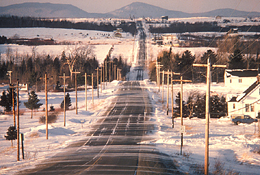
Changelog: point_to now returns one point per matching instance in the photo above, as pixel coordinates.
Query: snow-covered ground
(234, 146)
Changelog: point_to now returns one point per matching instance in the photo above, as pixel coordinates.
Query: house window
(239, 80)
(252, 108)
(234, 106)
(230, 81)
(247, 107)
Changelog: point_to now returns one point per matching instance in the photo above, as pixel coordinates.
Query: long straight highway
(116, 143)
(114, 146)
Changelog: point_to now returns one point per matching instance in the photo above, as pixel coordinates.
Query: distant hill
(228, 12)
(136, 9)
(47, 10)
(139, 9)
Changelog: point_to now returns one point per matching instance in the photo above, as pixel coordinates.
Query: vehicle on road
(236, 119)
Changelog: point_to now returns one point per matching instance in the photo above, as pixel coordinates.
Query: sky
(190, 6)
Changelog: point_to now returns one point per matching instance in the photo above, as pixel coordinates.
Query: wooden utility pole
(207, 112)
(97, 82)
(92, 89)
(9, 73)
(168, 83)
(101, 78)
(173, 73)
(110, 71)
(181, 110)
(86, 91)
(64, 101)
(76, 90)
(12, 87)
(46, 105)
(18, 123)
(162, 86)
(115, 72)
(119, 74)
(168, 79)
(158, 69)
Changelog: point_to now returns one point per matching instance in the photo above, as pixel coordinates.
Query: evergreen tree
(184, 64)
(184, 108)
(11, 134)
(236, 60)
(218, 106)
(7, 100)
(4, 102)
(209, 54)
(68, 102)
(32, 103)
(199, 106)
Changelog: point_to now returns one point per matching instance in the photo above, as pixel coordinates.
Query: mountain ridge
(136, 9)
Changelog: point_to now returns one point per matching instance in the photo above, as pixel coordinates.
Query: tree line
(15, 22)
(182, 63)
(195, 105)
(182, 27)
(30, 69)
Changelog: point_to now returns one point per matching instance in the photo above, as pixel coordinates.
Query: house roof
(250, 89)
(246, 92)
(242, 72)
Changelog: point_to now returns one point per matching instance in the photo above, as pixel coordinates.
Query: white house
(247, 103)
(240, 77)
(170, 39)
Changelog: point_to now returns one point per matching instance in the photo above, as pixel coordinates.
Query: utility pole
(168, 79)
(119, 74)
(110, 71)
(97, 82)
(114, 72)
(64, 101)
(162, 86)
(9, 73)
(46, 102)
(158, 69)
(18, 124)
(101, 78)
(181, 110)
(168, 82)
(92, 89)
(207, 112)
(173, 73)
(46, 105)
(86, 90)
(12, 87)
(18, 117)
(105, 71)
(76, 90)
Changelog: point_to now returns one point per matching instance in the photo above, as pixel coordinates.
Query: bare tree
(77, 55)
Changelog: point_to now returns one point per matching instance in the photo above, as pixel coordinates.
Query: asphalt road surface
(114, 146)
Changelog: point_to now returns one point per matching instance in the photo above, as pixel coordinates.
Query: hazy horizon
(189, 6)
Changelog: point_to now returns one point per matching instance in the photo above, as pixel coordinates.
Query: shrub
(51, 118)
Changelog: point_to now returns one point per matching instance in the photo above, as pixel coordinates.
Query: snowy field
(125, 46)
